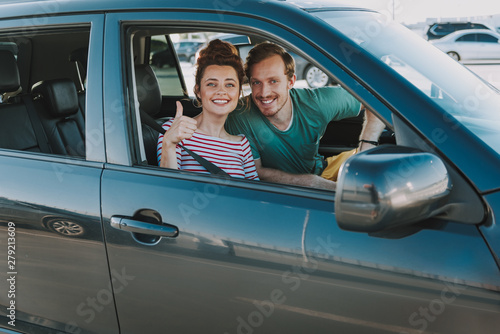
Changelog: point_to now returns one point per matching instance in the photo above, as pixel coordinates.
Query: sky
(412, 11)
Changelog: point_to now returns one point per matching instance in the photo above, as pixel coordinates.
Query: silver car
(473, 44)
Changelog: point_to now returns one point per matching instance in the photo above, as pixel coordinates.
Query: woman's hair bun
(218, 49)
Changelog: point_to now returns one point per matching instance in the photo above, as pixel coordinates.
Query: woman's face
(219, 89)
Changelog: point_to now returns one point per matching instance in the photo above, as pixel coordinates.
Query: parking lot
(489, 72)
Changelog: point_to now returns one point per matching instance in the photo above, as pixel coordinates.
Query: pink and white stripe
(235, 158)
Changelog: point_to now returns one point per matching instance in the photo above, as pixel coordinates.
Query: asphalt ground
(489, 72)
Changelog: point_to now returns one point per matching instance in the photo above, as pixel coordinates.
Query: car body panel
(218, 256)
(295, 260)
(491, 229)
(426, 292)
(59, 279)
(51, 269)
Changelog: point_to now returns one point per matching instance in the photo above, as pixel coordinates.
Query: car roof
(321, 4)
(457, 22)
(12, 8)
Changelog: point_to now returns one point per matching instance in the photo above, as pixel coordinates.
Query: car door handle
(136, 226)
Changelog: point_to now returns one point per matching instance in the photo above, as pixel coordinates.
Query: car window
(163, 60)
(468, 38)
(478, 113)
(485, 38)
(478, 26)
(307, 73)
(442, 29)
(48, 75)
(336, 140)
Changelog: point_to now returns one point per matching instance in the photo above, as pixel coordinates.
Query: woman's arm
(182, 128)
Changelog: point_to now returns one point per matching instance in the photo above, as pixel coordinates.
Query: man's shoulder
(307, 98)
(315, 92)
(320, 97)
(333, 102)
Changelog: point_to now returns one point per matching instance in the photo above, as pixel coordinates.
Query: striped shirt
(235, 158)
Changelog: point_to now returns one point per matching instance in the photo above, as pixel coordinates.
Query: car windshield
(469, 99)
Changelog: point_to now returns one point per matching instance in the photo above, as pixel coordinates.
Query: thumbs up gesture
(182, 128)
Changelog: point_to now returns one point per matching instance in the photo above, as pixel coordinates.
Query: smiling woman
(219, 78)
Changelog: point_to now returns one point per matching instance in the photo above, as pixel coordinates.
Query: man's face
(270, 86)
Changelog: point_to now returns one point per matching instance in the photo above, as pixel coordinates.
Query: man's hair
(265, 50)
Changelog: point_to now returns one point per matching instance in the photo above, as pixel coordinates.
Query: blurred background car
(185, 49)
(161, 54)
(441, 29)
(476, 44)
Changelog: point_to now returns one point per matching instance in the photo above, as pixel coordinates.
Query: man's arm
(371, 131)
(307, 180)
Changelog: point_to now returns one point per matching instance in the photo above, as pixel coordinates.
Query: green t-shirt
(294, 150)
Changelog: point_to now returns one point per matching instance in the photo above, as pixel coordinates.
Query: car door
(203, 253)
(468, 46)
(54, 275)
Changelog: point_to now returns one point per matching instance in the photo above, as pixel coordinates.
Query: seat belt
(212, 168)
(41, 138)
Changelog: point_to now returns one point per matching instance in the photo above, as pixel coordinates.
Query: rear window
(467, 38)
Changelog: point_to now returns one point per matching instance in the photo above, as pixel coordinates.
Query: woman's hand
(182, 128)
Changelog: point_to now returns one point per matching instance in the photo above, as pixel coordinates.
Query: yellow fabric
(331, 171)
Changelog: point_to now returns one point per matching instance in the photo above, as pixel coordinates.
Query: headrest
(148, 89)
(59, 95)
(9, 73)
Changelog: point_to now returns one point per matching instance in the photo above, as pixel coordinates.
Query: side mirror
(388, 187)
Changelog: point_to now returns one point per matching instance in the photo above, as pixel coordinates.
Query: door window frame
(126, 153)
(94, 130)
